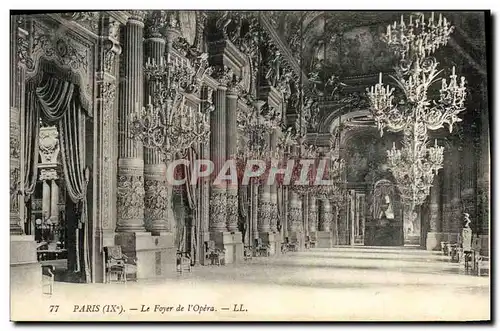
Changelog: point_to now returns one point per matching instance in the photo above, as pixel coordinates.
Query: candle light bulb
(380, 78)
(453, 71)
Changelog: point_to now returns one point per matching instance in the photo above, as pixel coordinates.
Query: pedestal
(434, 239)
(324, 239)
(25, 271)
(298, 238)
(155, 254)
(231, 242)
(270, 238)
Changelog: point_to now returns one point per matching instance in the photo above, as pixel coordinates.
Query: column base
(434, 240)
(25, 271)
(269, 238)
(298, 238)
(324, 239)
(230, 241)
(412, 240)
(156, 255)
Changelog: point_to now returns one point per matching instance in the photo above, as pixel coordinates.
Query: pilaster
(231, 150)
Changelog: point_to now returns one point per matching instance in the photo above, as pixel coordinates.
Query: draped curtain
(56, 101)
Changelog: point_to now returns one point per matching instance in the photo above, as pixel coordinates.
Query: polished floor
(337, 284)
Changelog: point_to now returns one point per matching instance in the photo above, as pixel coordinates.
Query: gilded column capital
(155, 24)
(137, 17)
(223, 74)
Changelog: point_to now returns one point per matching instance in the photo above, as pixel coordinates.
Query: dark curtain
(192, 203)
(59, 102)
(30, 146)
(243, 212)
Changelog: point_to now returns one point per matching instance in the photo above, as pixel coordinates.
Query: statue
(467, 234)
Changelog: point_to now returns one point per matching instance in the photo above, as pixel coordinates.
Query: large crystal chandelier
(417, 71)
(414, 112)
(167, 123)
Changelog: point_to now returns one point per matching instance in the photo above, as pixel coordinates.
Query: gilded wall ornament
(155, 23)
(23, 55)
(14, 144)
(107, 95)
(223, 75)
(64, 51)
(48, 174)
(130, 197)
(89, 20)
(48, 144)
(15, 184)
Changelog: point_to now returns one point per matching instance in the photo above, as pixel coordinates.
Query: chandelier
(416, 73)
(414, 167)
(410, 108)
(167, 123)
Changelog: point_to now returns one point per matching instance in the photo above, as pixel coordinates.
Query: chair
(118, 265)
(313, 240)
(48, 279)
(183, 261)
(480, 257)
(444, 247)
(291, 246)
(215, 255)
(284, 248)
(261, 249)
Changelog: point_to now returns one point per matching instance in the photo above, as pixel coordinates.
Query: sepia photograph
(250, 165)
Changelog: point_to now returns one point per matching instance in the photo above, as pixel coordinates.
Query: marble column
(218, 193)
(204, 208)
(324, 220)
(273, 190)
(158, 213)
(254, 192)
(130, 193)
(231, 150)
(264, 209)
(434, 233)
(264, 205)
(305, 214)
(447, 190)
(313, 215)
(325, 217)
(295, 219)
(54, 201)
(45, 196)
